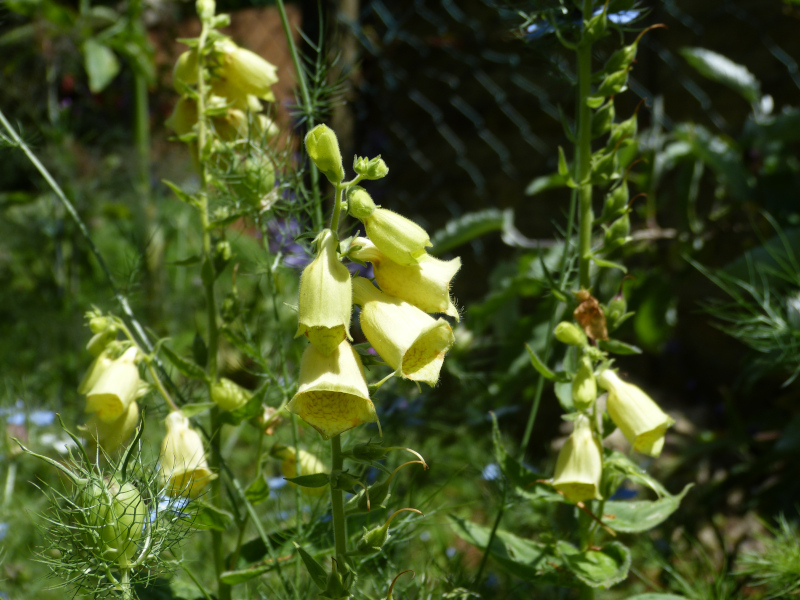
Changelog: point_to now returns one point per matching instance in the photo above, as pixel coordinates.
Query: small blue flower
(276, 483)
(491, 472)
(3, 530)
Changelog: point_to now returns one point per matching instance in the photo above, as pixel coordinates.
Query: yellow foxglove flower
(326, 297)
(245, 72)
(425, 285)
(309, 465)
(400, 239)
(323, 149)
(580, 464)
(184, 469)
(410, 341)
(333, 395)
(228, 395)
(634, 412)
(115, 388)
(99, 364)
(110, 436)
(185, 70)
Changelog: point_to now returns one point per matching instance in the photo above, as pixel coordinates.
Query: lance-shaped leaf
(596, 568)
(634, 516)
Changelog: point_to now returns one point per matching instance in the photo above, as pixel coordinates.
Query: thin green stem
(125, 585)
(583, 156)
(337, 506)
(485, 557)
(306, 100)
(337, 206)
(196, 581)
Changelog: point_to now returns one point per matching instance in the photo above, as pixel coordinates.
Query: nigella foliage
(763, 309)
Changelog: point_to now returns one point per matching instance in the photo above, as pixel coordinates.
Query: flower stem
(583, 156)
(337, 506)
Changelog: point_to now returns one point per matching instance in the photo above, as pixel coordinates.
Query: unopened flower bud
(184, 469)
(323, 148)
(110, 436)
(100, 341)
(185, 71)
(309, 465)
(115, 388)
(183, 117)
(100, 324)
(374, 168)
(569, 333)
(400, 239)
(99, 364)
(634, 412)
(332, 396)
(229, 396)
(410, 341)
(584, 387)
(206, 9)
(326, 297)
(579, 467)
(255, 178)
(373, 539)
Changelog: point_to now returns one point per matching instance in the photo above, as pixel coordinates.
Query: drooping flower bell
(309, 465)
(242, 73)
(579, 467)
(115, 389)
(641, 420)
(323, 149)
(110, 436)
(326, 297)
(332, 396)
(99, 364)
(425, 285)
(409, 340)
(184, 469)
(400, 239)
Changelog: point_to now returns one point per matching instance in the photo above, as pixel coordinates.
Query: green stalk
(583, 156)
(141, 112)
(301, 83)
(208, 276)
(337, 506)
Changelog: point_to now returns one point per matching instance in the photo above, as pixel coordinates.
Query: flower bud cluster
(333, 395)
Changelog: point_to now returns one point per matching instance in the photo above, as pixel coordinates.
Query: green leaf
(525, 482)
(617, 347)
(596, 568)
(186, 262)
(317, 572)
(241, 343)
(101, 64)
(563, 167)
(199, 350)
(524, 558)
(192, 410)
(258, 491)
(235, 577)
(721, 69)
(207, 516)
(608, 264)
(543, 369)
(179, 193)
(546, 182)
(243, 413)
(187, 368)
(619, 466)
(311, 481)
(654, 596)
(225, 221)
(466, 228)
(634, 516)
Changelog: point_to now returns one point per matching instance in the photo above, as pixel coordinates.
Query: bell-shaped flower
(425, 285)
(579, 467)
(99, 364)
(228, 395)
(309, 465)
(115, 389)
(641, 420)
(110, 436)
(332, 396)
(242, 72)
(326, 297)
(400, 239)
(323, 149)
(184, 469)
(409, 340)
